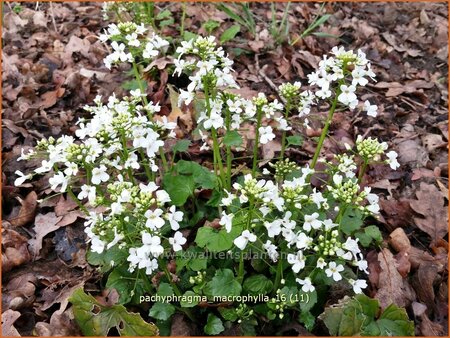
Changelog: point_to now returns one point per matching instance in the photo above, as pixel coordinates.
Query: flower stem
(283, 136)
(216, 149)
(362, 170)
(278, 275)
(178, 293)
(228, 149)
(325, 131)
(77, 201)
(183, 17)
(255, 146)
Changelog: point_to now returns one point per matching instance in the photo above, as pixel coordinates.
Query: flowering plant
(285, 241)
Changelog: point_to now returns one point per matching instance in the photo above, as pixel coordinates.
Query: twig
(53, 18)
(269, 81)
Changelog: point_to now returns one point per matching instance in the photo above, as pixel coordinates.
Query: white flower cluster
(208, 65)
(291, 218)
(114, 141)
(210, 69)
(371, 150)
(342, 74)
(131, 44)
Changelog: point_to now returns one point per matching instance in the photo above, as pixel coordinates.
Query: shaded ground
(52, 66)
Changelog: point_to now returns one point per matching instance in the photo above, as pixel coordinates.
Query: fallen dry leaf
(392, 288)
(430, 204)
(14, 248)
(27, 210)
(19, 292)
(43, 225)
(50, 98)
(423, 282)
(60, 325)
(8, 319)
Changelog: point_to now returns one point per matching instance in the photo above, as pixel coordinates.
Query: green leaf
(307, 319)
(325, 35)
(193, 258)
(127, 284)
(307, 300)
(164, 15)
(167, 22)
(357, 316)
(257, 284)
(165, 289)
(232, 138)
(202, 176)
(162, 311)
(179, 188)
(295, 140)
(247, 327)
(186, 303)
(230, 33)
(95, 319)
(393, 321)
(213, 325)
(228, 313)
(189, 36)
(133, 85)
(373, 232)
(181, 146)
(319, 22)
(211, 25)
(216, 240)
(224, 283)
(351, 221)
(107, 259)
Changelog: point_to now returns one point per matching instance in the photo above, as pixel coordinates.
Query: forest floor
(53, 66)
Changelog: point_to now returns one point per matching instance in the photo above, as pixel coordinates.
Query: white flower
(177, 241)
(152, 244)
(87, 191)
(117, 238)
(361, 264)
(334, 271)
(370, 109)
(317, 198)
(226, 201)
(149, 51)
(22, 177)
(392, 160)
(58, 179)
(97, 245)
(321, 263)
(271, 250)
(162, 197)
(174, 217)
(273, 228)
(358, 285)
(227, 221)
(99, 175)
(186, 97)
(352, 245)
(154, 219)
(265, 134)
(215, 121)
(311, 221)
(358, 77)
(303, 241)
(297, 261)
(307, 284)
(347, 94)
(133, 40)
(117, 208)
(244, 238)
